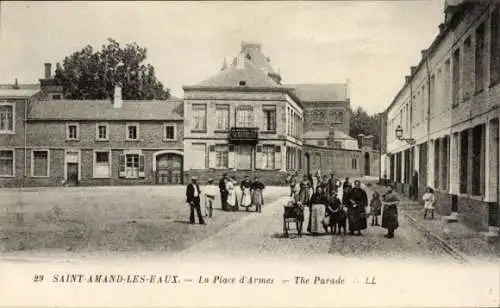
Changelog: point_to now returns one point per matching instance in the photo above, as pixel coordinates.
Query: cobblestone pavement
(260, 236)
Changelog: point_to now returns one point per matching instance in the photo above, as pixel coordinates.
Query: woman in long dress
(356, 209)
(317, 212)
(390, 212)
(232, 200)
(246, 195)
(257, 197)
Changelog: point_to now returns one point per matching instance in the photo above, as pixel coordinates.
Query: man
(193, 193)
(332, 185)
(325, 188)
(390, 212)
(223, 192)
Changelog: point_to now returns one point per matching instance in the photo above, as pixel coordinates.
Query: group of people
(326, 210)
(250, 195)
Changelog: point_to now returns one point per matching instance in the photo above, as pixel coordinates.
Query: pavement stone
(463, 241)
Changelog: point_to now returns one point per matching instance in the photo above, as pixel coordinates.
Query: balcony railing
(244, 135)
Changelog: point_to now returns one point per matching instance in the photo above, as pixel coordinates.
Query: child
(429, 201)
(375, 208)
(210, 193)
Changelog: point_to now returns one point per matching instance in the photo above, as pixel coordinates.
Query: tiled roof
(231, 77)
(17, 93)
(323, 134)
(333, 92)
(22, 86)
(253, 50)
(104, 110)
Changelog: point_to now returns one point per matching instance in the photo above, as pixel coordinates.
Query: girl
(375, 208)
(257, 198)
(429, 201)
(246, 196)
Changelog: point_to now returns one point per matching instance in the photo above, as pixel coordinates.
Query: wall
(326, 121)
(338, 161)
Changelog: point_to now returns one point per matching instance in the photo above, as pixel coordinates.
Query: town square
(98, 157)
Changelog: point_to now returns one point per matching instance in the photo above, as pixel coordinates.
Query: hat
(194, 178)
(210, 179)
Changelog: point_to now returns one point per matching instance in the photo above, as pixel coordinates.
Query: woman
(317, 212)
(346, 188)
(429, 201)
(390, 212)
(232, 200)
(257, 197)
(246, 196)
(356, 209)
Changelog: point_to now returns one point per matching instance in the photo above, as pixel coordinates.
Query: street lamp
(399, 135)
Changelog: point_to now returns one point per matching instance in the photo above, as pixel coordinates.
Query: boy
(210, 192)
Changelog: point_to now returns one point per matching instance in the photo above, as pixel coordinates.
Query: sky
(371, 43)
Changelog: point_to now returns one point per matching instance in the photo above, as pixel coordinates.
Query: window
(321, 142)
(132, 132)
(221, 155)
(222, 116)
(243, 83)
(446, 95)
(40, 163)
(337, 144)
(6, 118)
(269, 118)
(72, 131)
(200, 117)
(479, 67)
(56, 96)
(102, 132)
(102, 164)
(432, 90)
(198, 156)
(131, 165)
(455, 86)
(354, 163)
(468, 70)
(268, 156)
(495, 46)
(244, 116)
(169, 130)
(6, 163)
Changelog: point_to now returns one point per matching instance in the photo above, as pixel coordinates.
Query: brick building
(46, 140)
(449, 107)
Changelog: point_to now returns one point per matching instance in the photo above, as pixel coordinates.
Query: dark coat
(190, 192)
(222, 186)
(390, 212)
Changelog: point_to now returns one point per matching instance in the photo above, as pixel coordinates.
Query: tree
(363, 123)
(89, 74)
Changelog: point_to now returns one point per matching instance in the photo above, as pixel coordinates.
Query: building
(447, 113)
(48, 141)
(244, 119)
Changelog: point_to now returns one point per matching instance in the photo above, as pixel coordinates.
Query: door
(72, 174)
(367, 163)
(244, 157)
(308, 163)
(169, 169)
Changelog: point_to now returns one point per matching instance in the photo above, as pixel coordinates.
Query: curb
(441, 242)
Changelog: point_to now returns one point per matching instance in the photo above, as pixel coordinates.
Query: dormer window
(243, 83)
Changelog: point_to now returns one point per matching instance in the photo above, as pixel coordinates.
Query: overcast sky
(372, 43)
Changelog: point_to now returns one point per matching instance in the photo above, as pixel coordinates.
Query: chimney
(250, 45)
(240, 61)
(413, 70)
(16, 84)
(423, 51)
(407, 79)
(48, 70)
(360, 140)
(441, 27)
(117, 99)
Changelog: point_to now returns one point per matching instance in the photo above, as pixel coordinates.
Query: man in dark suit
(332, 185)
(193, 194)
(223, 192)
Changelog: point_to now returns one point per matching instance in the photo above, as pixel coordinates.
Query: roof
(231, 77)
(18, 93)
(331, 92)
(253, 51)
(104, 110)
(323, 134)
(21, 86)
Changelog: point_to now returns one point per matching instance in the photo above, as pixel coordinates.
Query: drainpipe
(428, 107)
(26, 106)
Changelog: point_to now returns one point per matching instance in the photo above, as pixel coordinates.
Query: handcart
(293, 213)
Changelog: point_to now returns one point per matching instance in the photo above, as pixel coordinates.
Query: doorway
(367, 164)
(72, 174)
(169, 169)
(244, 157)
(308, 163)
